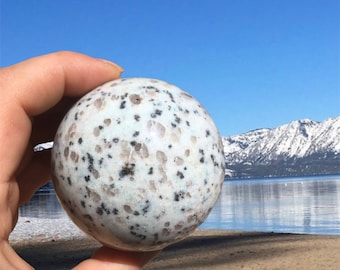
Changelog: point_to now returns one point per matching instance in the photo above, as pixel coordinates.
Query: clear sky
(252, 64)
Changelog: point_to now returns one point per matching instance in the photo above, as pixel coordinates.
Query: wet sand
(205, 249)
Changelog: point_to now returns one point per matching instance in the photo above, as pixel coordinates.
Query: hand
(34, 96)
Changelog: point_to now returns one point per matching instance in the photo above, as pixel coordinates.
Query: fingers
(10, 260)
(31, 88)
(36, 85)
(39, 83)
(34, 170)
(45, 125)
(33, 176)
(106, 258)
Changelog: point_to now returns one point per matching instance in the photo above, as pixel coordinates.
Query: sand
(63, 246)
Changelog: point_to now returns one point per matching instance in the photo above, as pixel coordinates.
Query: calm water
(295, 205)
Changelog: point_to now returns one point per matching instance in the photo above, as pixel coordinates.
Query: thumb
(110, 259)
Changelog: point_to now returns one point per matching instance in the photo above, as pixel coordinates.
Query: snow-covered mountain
(300, 147)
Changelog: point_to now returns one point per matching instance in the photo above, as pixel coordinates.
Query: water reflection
(299, 205)
(310, 205)
(43, 205)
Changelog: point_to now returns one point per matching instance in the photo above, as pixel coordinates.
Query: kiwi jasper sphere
(138, 164)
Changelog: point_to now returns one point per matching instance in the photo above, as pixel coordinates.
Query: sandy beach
(205, 249)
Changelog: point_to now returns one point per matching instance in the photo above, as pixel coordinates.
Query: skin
(35, 95)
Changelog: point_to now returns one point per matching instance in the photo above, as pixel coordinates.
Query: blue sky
(252, 64)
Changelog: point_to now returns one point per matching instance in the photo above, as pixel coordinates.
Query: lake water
(291, 205)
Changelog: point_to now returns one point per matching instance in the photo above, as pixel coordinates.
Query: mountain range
(302, 147)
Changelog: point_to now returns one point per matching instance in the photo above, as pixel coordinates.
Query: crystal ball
(137, 164)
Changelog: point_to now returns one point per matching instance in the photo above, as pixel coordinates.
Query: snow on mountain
(297, 139)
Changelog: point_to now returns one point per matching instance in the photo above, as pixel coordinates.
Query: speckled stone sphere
(138, 164)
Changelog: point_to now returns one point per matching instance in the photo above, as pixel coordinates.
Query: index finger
(36, 85)
(40, 83)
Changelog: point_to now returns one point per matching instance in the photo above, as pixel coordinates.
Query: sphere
(137, 164)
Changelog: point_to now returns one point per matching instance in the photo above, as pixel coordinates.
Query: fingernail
(112, 64)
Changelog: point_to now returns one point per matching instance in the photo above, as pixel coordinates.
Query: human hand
(34, 97)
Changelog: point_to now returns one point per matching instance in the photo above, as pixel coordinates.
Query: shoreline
(204, 249)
